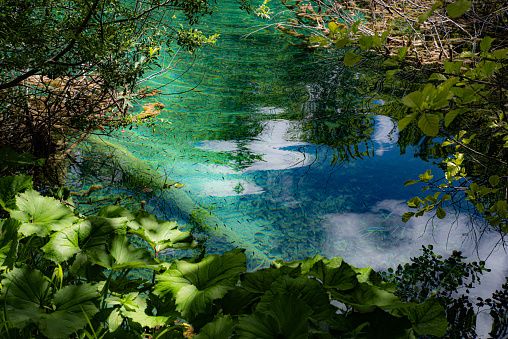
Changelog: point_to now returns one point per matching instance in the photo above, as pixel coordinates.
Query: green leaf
(160, 234)
(196, 285)
(428, 318)
(440, 213)
(11, 158)
(467, 54)
(73, 304)
(391, 73)
(355, 26)
(91, 236)
(334, 274)
(41, 215)
(24, 292)
(365, 298)
(402, 52)
(500, 54)
(494, 180)
(486, 43)
(390, 62)
(366, 42)
(429, 124)
(411, 182)
(333, 27)
(457, 8)
(437, 76)
(287, 318)
(426, 176)
(450, 116)
(414, 100)
(310, 291)
(427, 14)
(316, 38)
(406, 120)
(342, 42)
(351, 59)
(406, 216)
(125, 255)
(136, 308)
(12, 185)
(219, 328)
(8, 242)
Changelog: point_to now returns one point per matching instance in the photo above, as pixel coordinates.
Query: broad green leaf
(41, 215)
(450, 116)
(494, 180)
(486, 43)
(365, 298)
(116, 212)
(428, 318)
(342, 42)
(437, 76)
(457, 8)
(309, 291)
(160, 234)
(440, 213)
(125, 255)
(287, 318)
(391, 73)
(73, 304)
(91, 235)
(355, 26)
(10, 158)
(406, 216)
(136, 308)
(8, 242)
(12, 185)
(219, 328)
(257, 326)
(316, 38)
(414, 100)
(333, 27)
(390, 62)
(401, 53)
(366, 42)
(351, 59)
(411, 182)
(467, 54)
(429, 124)
(334, 274)
(25, 291)
(305, 265)
(406, 120)
(500, 54)
(196, 285)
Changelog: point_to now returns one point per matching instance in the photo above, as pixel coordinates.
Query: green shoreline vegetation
(70, 68)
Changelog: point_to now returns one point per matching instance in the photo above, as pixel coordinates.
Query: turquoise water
(282, 148)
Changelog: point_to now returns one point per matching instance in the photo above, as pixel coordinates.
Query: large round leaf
(8, 242)
(196, 285)
(41, 215)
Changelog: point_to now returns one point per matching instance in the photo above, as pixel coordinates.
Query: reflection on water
(281, 148)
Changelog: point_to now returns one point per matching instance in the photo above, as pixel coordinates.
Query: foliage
(65, 275)
(71, 67)
(430, 276)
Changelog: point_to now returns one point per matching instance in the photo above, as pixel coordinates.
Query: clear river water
(282, 148)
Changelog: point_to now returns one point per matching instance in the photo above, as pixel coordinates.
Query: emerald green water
(280, 147)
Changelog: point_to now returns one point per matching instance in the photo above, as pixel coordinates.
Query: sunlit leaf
(428, 318)
(414, 100)
(160, 234)
(196, 285)
(486, 43)
(457, 8)
(406, 120)
(41, 215)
